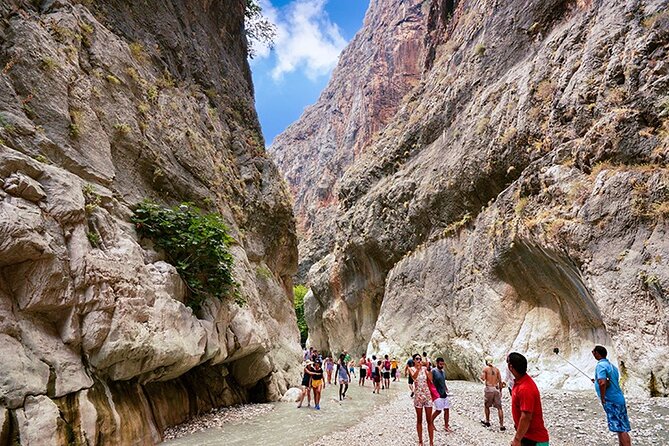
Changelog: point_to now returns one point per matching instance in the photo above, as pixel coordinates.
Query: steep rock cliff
(103, 105)
(518, 200)
(380, 65)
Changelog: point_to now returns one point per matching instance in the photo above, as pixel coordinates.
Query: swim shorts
(441, 404)
(616, 414)
(493, 397)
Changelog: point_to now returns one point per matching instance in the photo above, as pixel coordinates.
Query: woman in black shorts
(406, 373)
(306, 384)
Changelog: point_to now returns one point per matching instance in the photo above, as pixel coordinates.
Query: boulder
(292, 395)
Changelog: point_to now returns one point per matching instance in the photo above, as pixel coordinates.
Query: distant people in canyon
(329, 366)
(363, 370)
(422, 399)
(607, 386)
(407, 372)
(492, 393)
(526, 405)
(342, 374)
(441, 404)
(385, 370)
(351, 368)
(376, 376)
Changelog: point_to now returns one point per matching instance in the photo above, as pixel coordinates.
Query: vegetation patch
(197, 245)
(299, 291)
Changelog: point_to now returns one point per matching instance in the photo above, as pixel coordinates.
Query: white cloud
(306, 39)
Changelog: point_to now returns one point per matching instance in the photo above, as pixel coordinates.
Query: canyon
(104, 105)
(516, 199)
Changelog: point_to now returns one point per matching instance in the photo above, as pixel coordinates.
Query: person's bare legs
(624, 439)
(500, 413)
(486, 410)
(447, 416)
(430, 425)
(435, 414)
(419, 424)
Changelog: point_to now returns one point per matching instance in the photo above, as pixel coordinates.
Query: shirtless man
(363, 369)
(492, 393)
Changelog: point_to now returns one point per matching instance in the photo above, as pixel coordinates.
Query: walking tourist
(526, 409)
(408, 369)
(317, 384)
(393, 369)
(342, 374)
(376, 377)
(329, 366)
(607, 386)
(363, 370)
(386, 372)
(422, 399)
(351, 367)
(306, 384)
(441, 403)
(492, 393)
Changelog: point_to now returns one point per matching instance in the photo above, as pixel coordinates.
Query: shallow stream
(288, 425)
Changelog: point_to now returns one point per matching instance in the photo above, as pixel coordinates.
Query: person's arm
(602, 383)
(415, 373)
(483, 373)
(521, 429)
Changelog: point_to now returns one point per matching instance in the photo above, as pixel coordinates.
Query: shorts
(493, 397)
(305, 381)
(386, 375)
(410, 380)
(616, 414)
(363, 372)
(441, 404)
(315, 383)
(393, 373)
(376, 378)
(527, 442)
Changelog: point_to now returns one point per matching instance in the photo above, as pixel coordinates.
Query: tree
(259, 30)
(299, 291)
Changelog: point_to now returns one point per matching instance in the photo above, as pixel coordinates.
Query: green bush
(299, 291)
(196, 243)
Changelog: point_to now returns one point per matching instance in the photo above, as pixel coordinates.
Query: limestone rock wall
(517, 201)
(380, 65)
(103, 105)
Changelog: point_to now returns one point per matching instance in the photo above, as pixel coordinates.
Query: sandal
(485, 423)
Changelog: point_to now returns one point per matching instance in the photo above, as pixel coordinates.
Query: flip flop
(486, 424)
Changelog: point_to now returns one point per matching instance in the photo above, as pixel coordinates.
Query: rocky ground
(572, 418)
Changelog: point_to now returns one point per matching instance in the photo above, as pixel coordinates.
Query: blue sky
(310, 36)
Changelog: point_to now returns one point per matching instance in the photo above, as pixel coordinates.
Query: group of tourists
(427, 384)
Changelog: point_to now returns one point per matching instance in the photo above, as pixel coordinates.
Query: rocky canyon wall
(380, 65)
(518, 200)
(103, 105)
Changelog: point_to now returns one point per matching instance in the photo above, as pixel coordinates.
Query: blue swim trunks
(617, 417)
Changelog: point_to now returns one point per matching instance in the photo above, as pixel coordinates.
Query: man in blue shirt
(608, 390)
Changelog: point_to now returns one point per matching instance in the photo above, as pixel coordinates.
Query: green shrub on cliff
(196, 244)
(299, 291)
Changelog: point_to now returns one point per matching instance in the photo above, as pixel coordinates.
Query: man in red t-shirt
(525, 405)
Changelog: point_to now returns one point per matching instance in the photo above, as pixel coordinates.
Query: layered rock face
(519, 199)
(380, 65)
(102, 106)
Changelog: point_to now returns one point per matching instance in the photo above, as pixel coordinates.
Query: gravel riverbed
(572, 419)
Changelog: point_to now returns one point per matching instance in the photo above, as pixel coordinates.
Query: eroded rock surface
(102, 106)
(380, 65)
(518, 199)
